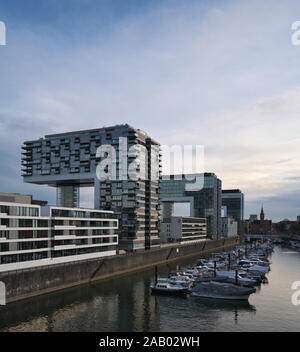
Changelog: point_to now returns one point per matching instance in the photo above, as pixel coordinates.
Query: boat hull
(217, 296)
(169, 291)
(217, 290)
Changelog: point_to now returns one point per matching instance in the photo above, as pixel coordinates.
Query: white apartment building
(183, 229)
(34, 235)
(229, 227)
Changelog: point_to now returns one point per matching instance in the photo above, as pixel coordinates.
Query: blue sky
(219, 73)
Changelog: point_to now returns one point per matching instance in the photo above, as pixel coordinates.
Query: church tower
(262, 214)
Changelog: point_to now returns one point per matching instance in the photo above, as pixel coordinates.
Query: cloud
(213, 73)
(293, 178)
(251, 148)
(284, 205)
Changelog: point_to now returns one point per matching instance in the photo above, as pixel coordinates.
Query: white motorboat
(255, 265)
(244, 263)
(209, 264)
(164, 286)
(256, 260)
(221, 290)
(181, 280)
(191, 271)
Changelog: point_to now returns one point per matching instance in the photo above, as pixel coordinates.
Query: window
(4, 209)
(4, 247)
(27, 211)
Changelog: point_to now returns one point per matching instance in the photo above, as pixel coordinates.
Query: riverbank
(28, 283)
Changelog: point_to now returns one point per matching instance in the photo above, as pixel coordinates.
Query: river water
(125, 304)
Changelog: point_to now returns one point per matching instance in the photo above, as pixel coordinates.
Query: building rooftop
(89, 131)
(231, 191)
(205, 174)
(20, 198)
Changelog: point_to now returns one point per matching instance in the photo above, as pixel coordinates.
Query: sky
(222, 74)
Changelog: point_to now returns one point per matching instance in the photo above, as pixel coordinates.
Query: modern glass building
(205, 200)
(233, 199)
(72, 160)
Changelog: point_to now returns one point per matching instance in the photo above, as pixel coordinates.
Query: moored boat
(259, 268)
(163, 286)
(232, 278)
(221, 290)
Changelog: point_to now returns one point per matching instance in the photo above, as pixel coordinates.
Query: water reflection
(198, 314)
(126, 304)
(123, 305)
(224, 304)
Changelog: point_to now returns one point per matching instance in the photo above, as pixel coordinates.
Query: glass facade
(206, 201)
(68, 196)
(19, 210)
(234, 201)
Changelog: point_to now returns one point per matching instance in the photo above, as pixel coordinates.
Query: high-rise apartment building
(121, 163)
(205, 202)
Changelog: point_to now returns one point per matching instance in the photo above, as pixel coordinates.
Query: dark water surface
(125, 304)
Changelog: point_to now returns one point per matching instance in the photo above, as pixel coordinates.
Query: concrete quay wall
(22, 284)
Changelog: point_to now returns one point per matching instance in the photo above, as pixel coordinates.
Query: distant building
(243, 227)
(223, 211)
(253, 217)
(183, 229)
(298, 218)
(233, 199)
(287, 226)
(260, 227)
(20, 198)
(229, 227)
(33, 235)
(204, 203)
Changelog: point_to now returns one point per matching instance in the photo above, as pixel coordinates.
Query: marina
(247, 266)
(126, 304)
